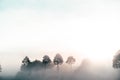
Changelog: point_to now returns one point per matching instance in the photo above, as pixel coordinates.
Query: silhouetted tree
(46, 60)
(25, 63)
(58, 60)
(35, 65)
(116, 60)
(0, 68)
(70, 60)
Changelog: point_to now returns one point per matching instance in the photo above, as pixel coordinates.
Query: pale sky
(89, 28)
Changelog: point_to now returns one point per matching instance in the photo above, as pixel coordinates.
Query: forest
(55, 69)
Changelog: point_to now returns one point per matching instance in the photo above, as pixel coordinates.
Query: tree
(116, 60)
(70, 60)
(35, 65)
(0, 68)
(25, 63)
(58, 60)
(46, 60)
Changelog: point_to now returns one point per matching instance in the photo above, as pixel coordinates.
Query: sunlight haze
(81, 28)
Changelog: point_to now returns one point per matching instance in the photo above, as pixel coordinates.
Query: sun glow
(99, 56)
(48, 32)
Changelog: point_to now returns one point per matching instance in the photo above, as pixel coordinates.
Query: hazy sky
(71, 27)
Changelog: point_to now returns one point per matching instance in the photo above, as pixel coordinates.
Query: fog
(87, 28)
(85, 71)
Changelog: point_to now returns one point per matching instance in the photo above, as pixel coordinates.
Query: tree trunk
(71, 66)
(45, 67)
(58, 68)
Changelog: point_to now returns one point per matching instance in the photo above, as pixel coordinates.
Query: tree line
(46, 62)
